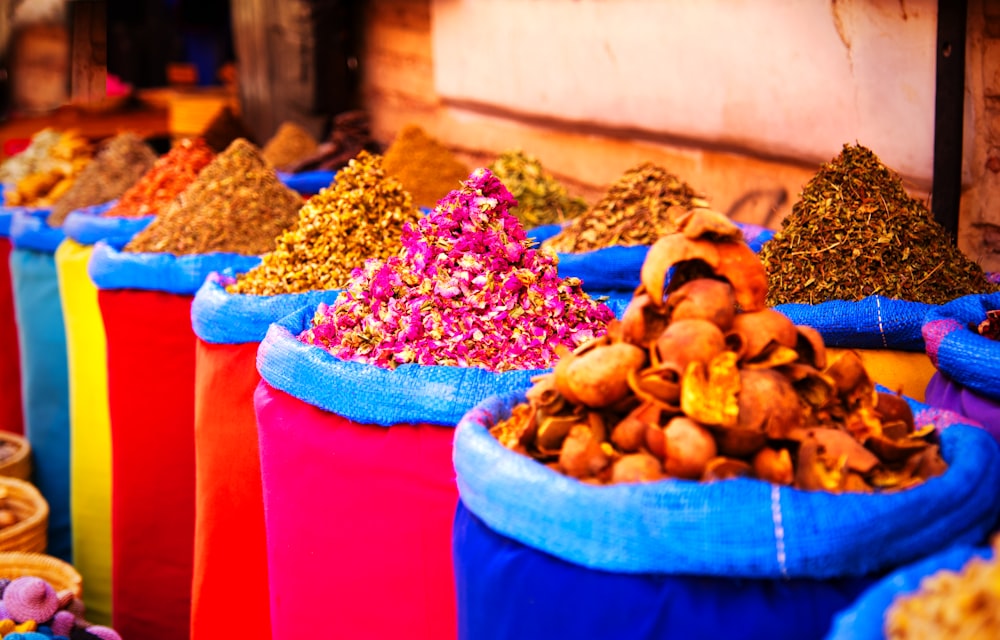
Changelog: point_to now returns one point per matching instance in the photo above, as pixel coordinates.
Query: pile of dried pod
(699, 380)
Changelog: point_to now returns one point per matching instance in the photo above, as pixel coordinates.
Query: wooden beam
(88, 50)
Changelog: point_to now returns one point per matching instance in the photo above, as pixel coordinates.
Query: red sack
(151, 364)
(11, 418)
(230, 552)
(358, 524)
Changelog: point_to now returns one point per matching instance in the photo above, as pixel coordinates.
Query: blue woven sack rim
(307, 183)
(875, 322)
(29, 230)
(110, 268)
(88, 226)
(219, 317)
(6, 217)
(959, 352)
(409, 394)
(737, 528)
(865, 619)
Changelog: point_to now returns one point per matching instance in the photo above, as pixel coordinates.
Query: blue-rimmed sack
(618, 268)
(88, 226)
(506, 589)
(6, 217)
(876, 322)
(29, 230)
(219, 317)
(960, 352)
(865, 619)
(307, 183)
(44, 386)
(737, 528)
(110, 268)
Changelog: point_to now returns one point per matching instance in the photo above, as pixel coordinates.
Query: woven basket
(17, 465)
(32, 511)
(61, 575)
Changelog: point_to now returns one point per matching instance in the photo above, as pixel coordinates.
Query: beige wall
(741, 99)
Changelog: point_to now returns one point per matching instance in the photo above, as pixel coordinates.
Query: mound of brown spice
(289, 144)
(118, 165)
(236, 205)
(637, 209)
(360, 216)
(856, 232)
(427, 169)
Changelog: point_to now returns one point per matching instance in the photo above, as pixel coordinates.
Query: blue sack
(87, 226)
(219, 317)
(506, 589)
(113, 269)
(6, 217)
(736, 528)
(865, 619)
(875, 322)
(45, 386)
(959, 352)
(307, 183)
(29, 230)
(618, 268)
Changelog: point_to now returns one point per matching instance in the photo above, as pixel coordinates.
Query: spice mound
(236, 205)
(708, 384)
(117, 166)
(637, 209)
(351, 134)
(360, 216)
(54, 174)
(541, 199)
(962, 605)
(289, 144)
(30, 159)
(467, 289)
(856, 232)
(165, 180)
(427, 169)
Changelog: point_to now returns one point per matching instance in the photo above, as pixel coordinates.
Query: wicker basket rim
(29, 491)
(29, 563)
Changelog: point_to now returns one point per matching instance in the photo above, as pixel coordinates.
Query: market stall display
(224, 219)
(358, 217)
(370, 399)
(705, 420)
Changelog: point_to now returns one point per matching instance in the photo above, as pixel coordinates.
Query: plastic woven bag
(968, 381)
(230, 546)
(865, 618)
(11, 414)
(507, 589)
(44, 375)
(359, 489)
(737, 528)
(90, 428)
(87, 226)
(145, 301)
(307, 183)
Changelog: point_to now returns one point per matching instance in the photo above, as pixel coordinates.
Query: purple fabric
(944, 393)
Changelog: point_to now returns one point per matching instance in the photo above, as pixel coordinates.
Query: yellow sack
(90, 428)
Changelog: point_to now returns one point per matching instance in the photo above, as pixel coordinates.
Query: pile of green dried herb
(639, 208)
(856, 232)
(236, 205)
(118, 165)
(541, 199)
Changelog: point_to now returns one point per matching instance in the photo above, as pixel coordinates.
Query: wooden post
(291, 58)
(88, 50)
